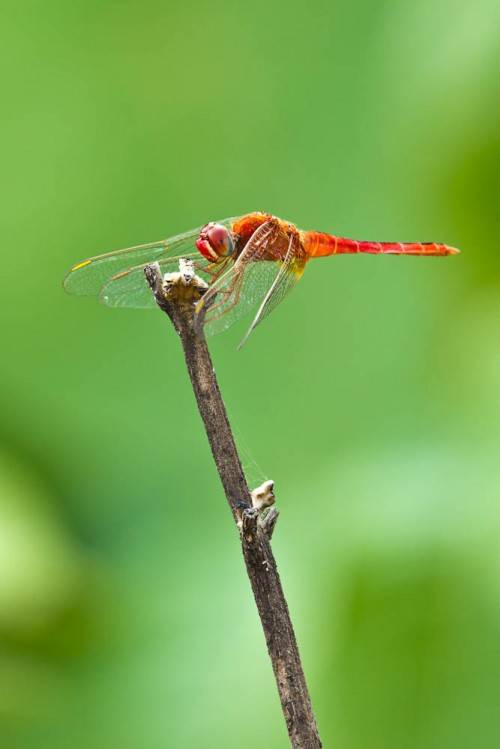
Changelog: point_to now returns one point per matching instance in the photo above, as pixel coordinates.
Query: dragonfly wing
(289, 274)
(90, 276)
(238, 293)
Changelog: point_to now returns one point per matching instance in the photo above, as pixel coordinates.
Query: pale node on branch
(263, 496)
(185, 275)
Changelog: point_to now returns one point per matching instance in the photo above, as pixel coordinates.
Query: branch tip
(177, 294)
(268, 521)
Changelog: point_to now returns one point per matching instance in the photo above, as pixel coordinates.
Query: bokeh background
(371, 396)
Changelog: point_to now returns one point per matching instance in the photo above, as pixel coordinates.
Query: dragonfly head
(215, 242)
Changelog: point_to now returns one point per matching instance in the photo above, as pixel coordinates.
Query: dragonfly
(249, 262)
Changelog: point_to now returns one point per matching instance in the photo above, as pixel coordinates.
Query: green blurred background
(371, 396)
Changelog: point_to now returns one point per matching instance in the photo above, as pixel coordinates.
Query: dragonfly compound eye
(215, 241)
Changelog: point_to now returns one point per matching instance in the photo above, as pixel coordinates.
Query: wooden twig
(176, 295)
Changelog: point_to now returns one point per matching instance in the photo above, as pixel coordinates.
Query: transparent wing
(266, 270)
(242, 292)
(289, 274)
(89, 277)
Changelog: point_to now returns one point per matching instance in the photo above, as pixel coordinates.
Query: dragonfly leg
(227, 295)
(214, 269)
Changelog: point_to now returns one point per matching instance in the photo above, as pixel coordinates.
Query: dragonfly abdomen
(317, 244)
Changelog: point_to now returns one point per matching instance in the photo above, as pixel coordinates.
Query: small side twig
(176, 295)
(268, 522)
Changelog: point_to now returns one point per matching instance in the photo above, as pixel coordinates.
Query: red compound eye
(215, 241)
(220, 239)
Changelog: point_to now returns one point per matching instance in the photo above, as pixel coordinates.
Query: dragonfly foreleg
(214, 269)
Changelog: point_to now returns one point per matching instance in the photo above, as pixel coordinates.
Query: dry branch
(176, 296)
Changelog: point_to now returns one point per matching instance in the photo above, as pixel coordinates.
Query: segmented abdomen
(317, 244)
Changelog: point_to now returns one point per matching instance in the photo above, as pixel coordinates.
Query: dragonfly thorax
(215, 242)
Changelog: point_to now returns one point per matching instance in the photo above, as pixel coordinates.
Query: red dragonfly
(249, 262)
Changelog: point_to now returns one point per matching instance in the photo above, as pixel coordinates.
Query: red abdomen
(317, 244)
